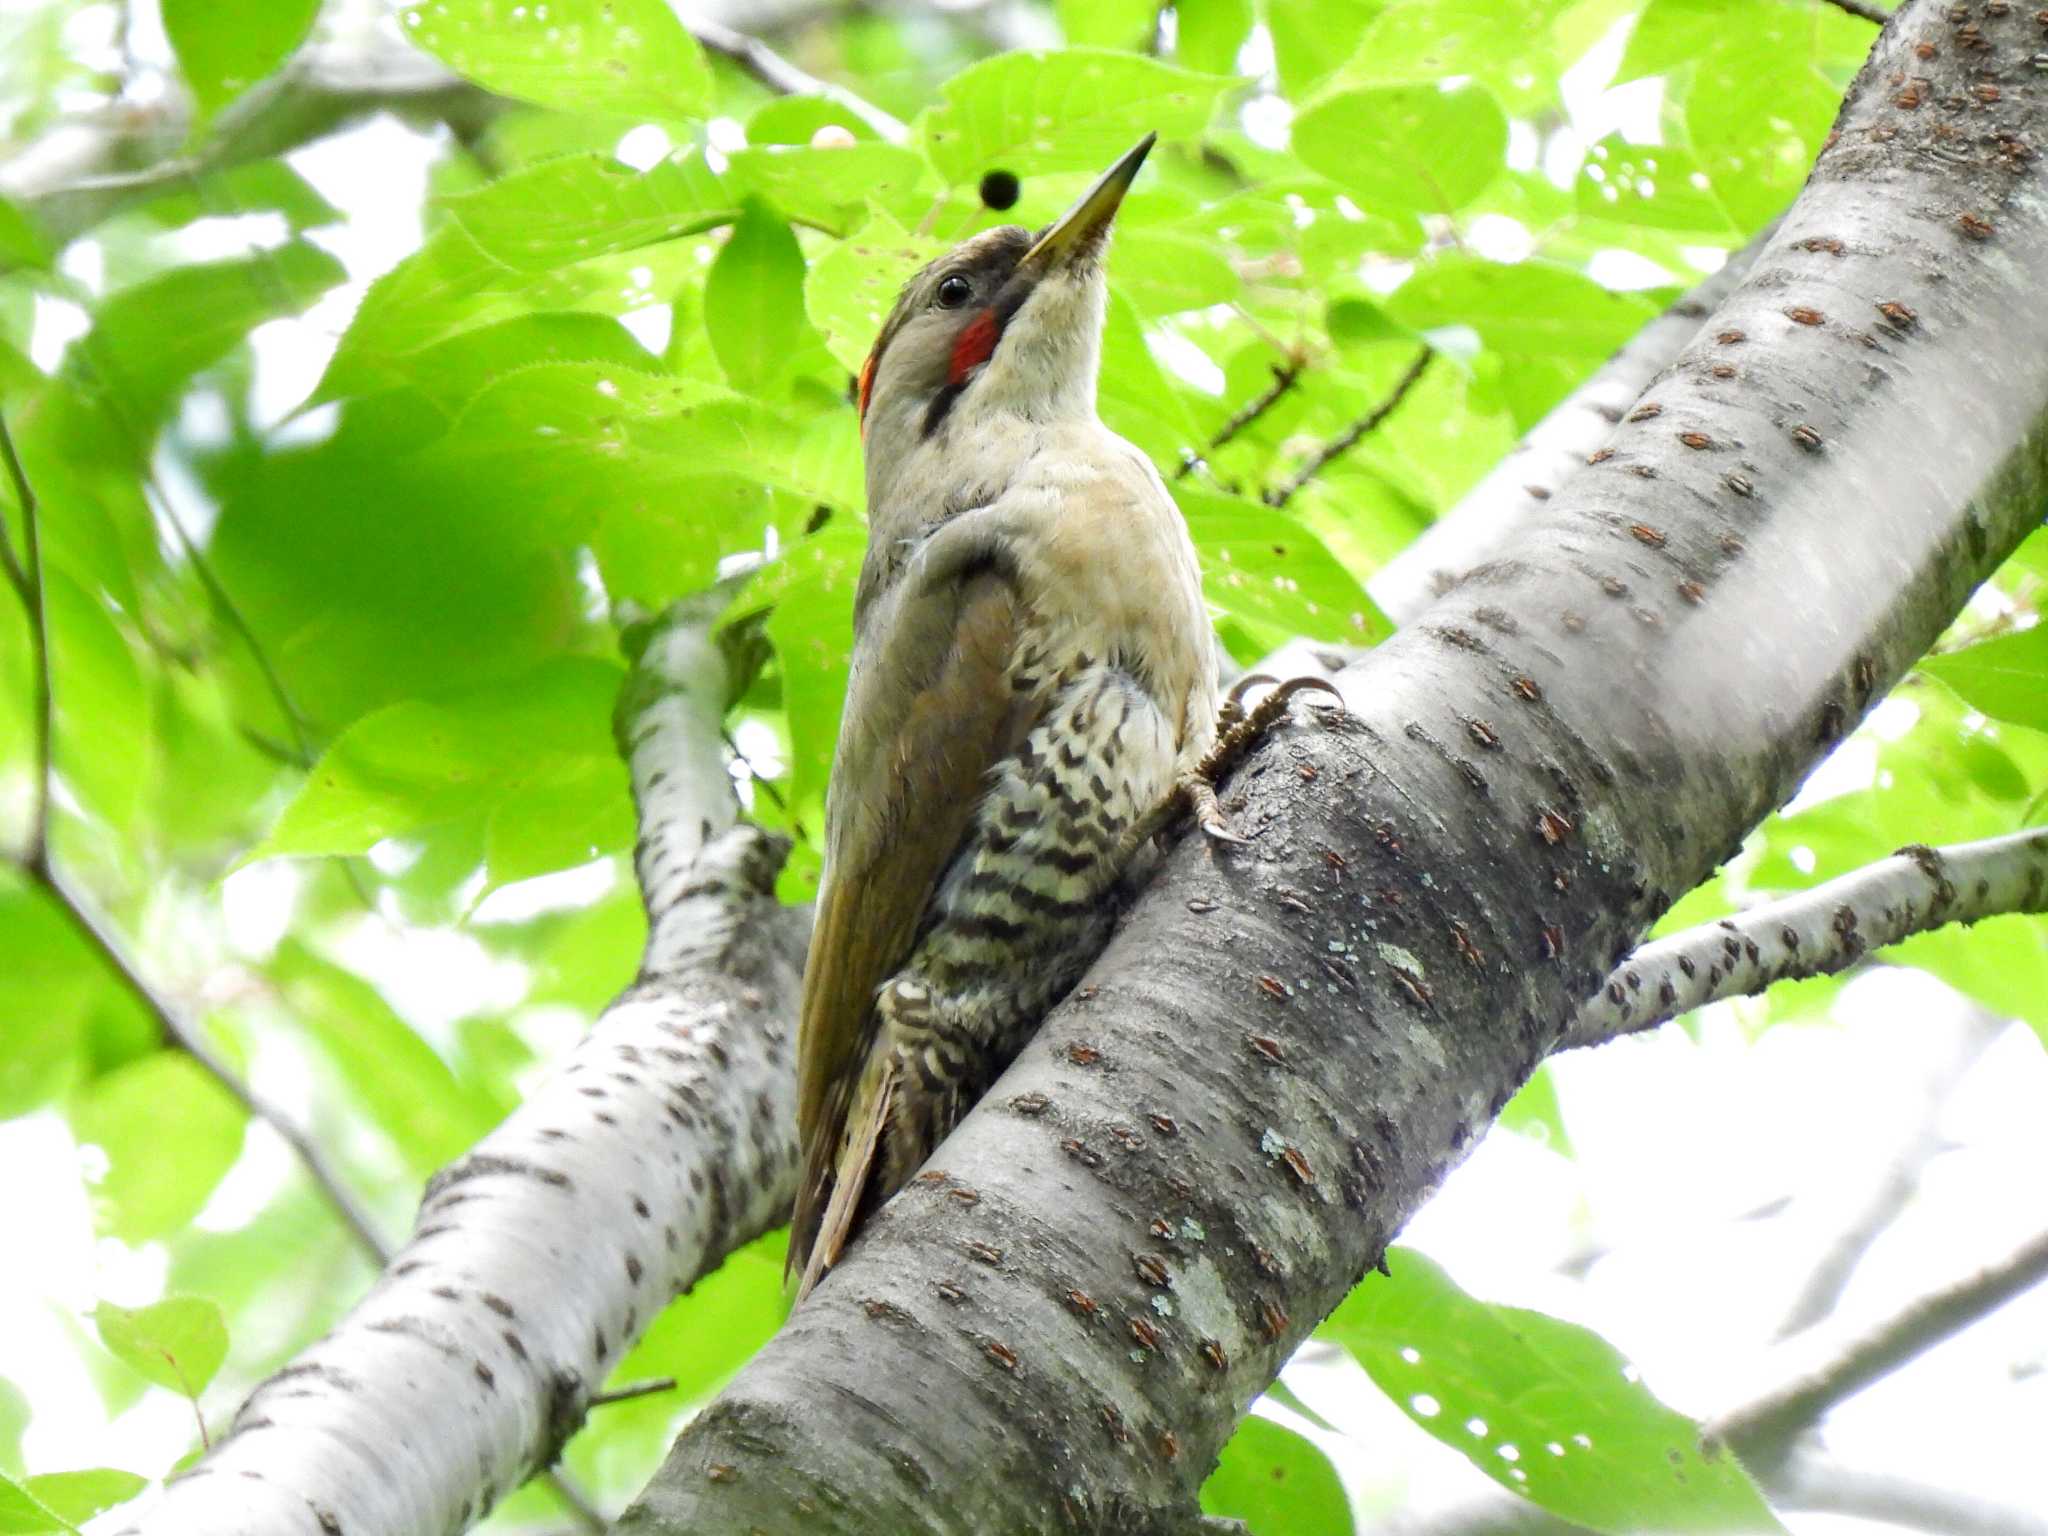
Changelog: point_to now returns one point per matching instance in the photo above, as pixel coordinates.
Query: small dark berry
(999, 190)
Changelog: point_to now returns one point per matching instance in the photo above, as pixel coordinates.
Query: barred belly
(1026, 904)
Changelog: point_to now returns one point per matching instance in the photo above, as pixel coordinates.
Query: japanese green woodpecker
(1033, 694)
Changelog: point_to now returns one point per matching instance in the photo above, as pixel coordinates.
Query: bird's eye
(955, 291)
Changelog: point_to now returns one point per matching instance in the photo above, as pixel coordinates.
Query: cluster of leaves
(383, 626)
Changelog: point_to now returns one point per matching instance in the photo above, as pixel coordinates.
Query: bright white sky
(1677, 1137)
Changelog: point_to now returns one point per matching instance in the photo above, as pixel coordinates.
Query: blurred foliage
(333, 669)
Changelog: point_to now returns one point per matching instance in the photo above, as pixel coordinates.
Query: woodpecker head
(1006, 323)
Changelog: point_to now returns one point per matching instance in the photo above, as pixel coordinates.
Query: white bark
(1818, 931)
(664, 1140)
(1508, 501)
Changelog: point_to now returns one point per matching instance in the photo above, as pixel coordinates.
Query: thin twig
(1285, 375)
(1777, 1418)
(186, 1037)
(232, 615)
(33, 595)
(1862, 10)
(1897, 1180)
(778, 74)
(1346, 440)
(587, 1514)
(638, 1389)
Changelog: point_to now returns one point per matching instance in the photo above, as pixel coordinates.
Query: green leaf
(809, 595)
(2005, 678)
(49, 981)
(451, 373)
(226, 46)
(170, 1134)
(407, 1090)
(754, 300)
(1755, 120)
(1075, 110)
(533, 756)
(579, 206)
(177, 1343)
(1508, 47)
(1550, 327)
(1137, 398)
(589, 442)
(23, 1514)
(537, 230)
(1413, 148)
(615, 58)
(148, 339)
(830, 186)
(21, 243)
(849, 289)
(102, 709)
(75, 1497)
(1262, 565)
(1278, 1483)
(1545, 1408)
(1312, 37)
(260, 186)
(1108, 23)
(1210, 33)
(1659, 186)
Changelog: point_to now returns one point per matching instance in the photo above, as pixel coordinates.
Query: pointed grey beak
(1083, 227)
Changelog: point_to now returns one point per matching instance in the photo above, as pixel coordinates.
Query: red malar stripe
(976, 345)
(867, 386)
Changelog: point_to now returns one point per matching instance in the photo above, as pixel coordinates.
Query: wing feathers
(929, 712)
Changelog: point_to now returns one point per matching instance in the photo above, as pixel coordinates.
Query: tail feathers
(848, 1178)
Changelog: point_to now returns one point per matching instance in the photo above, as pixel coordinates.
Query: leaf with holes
(1545, 1408)
(1075, 110)
(1406, 147)
(1263, 566)
(617, 58)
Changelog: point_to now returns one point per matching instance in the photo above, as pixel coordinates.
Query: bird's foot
(1238, 730)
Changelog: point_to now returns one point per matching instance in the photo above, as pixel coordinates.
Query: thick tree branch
(664, 1140)
(1818, 932)
(1350, 437)
(81, 175)
(1288, 1044)
(1511, 498)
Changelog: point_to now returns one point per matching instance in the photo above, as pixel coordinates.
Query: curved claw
(1294, 685)
(1219, 830)
(1235, 698)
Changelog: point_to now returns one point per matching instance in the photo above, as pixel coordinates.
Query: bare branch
(1346, 440)
(1505, 503)
(664, 1141)
(76, 178)
(1285, 376)
(778, 74)
(1818, 932)
(1862, 10)
(1895, 1181)
(1770, 1423)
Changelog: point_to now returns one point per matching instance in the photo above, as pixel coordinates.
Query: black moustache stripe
(1009, 299)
